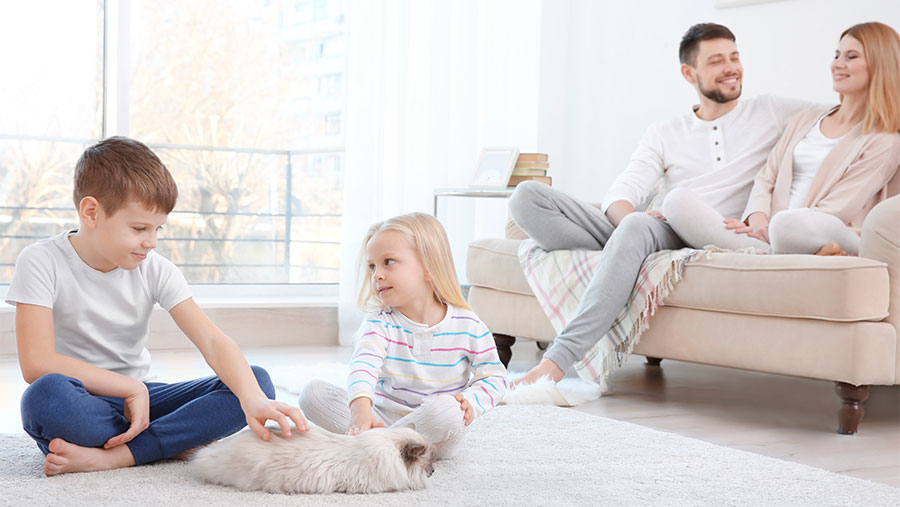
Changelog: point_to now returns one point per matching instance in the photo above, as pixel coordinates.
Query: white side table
(457, 246)
(470, 192)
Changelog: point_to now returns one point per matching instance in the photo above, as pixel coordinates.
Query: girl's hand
(137, 411)
(468, 413)
(361, 417)
(261, 409)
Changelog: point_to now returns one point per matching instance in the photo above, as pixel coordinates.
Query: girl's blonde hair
(881, 45)
(429, 240)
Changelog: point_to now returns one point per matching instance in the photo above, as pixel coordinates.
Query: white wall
(609, 69)
(509, 45)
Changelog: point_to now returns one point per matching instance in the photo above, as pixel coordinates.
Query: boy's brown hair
(118, 169)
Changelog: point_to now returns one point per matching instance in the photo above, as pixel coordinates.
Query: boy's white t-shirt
(99, 318)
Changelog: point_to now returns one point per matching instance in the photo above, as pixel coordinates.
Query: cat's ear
(412, 452)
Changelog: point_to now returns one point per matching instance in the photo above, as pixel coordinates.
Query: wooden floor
(781, 417)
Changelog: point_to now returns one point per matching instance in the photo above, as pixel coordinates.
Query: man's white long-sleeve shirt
(717, 159)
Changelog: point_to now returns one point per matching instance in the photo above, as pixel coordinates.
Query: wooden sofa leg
(504, 342)
(653, 361)
(851, 412)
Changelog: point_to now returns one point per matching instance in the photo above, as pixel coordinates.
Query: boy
(83, 301)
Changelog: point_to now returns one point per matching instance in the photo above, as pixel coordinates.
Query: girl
(830, 167)
(423, 359)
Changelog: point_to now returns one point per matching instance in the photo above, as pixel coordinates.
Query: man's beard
(715, 94)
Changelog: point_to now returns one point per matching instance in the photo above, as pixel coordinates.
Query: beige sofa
(828, 318)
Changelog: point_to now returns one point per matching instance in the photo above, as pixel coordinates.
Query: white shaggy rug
(514, 455)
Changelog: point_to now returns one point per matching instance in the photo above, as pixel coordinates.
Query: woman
(828, 170)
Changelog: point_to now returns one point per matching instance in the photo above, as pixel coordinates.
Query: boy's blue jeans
(182, 415)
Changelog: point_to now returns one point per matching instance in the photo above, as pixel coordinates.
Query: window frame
(115, 98)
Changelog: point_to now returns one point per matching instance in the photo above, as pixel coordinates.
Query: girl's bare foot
(546, 368)
(66, 458)
(831, 249)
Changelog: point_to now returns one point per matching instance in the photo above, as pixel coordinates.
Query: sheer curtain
(429, 83)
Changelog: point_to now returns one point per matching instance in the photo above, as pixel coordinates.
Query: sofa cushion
(859, 353)
(494, 263)
(842, 289)
(510, 313)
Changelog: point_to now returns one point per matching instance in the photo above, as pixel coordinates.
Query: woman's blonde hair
(881, 45)
(429, 240)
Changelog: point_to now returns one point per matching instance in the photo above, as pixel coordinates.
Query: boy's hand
(468, 414)
(137, 410)
(259, 410)
(361, 417)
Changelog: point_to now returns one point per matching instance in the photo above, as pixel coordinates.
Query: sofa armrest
(513, 231)
(880, 240)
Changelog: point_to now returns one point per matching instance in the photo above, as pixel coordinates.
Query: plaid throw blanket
(559, 280)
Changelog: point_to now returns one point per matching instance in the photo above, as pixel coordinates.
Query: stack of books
(531, 167)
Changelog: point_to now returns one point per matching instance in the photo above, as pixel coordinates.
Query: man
(715, 150)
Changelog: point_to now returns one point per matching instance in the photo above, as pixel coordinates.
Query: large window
(243, 101)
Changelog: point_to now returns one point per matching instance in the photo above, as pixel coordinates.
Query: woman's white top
(808, 156)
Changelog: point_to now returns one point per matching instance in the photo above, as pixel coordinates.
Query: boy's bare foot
(546, 368)
(831, 249)
(66, 458)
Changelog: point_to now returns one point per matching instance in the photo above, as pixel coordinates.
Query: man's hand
(617, 211)
(361, 417)
(468, 413)
(259, 410)
(137, 411)
(656, 214)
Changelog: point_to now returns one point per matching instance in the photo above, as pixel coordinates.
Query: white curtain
(429, 83)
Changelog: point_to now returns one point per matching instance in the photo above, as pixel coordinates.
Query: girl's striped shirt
(398, 363)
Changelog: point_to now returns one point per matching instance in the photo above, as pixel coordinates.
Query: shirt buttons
(715, 128)
(718, 159)
(717, 143)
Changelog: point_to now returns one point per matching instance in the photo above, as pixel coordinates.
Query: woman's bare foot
(546, 368)
(66, 458)
(831, 249)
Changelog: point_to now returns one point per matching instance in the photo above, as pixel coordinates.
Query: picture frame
(495, 166)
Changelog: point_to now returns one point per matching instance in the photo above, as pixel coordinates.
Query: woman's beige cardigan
(853, 177)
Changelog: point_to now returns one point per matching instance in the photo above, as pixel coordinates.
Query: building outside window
(243, 101)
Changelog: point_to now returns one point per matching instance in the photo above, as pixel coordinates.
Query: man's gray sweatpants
(557, 221)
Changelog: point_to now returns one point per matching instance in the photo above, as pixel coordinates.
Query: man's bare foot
(546, 368)
(831, 249)
(66, 458)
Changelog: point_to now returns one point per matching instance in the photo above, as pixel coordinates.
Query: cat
(318, 461)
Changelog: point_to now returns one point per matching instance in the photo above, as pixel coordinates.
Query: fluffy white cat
(318, 461)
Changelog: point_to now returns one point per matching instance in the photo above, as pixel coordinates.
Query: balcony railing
(244, 215)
